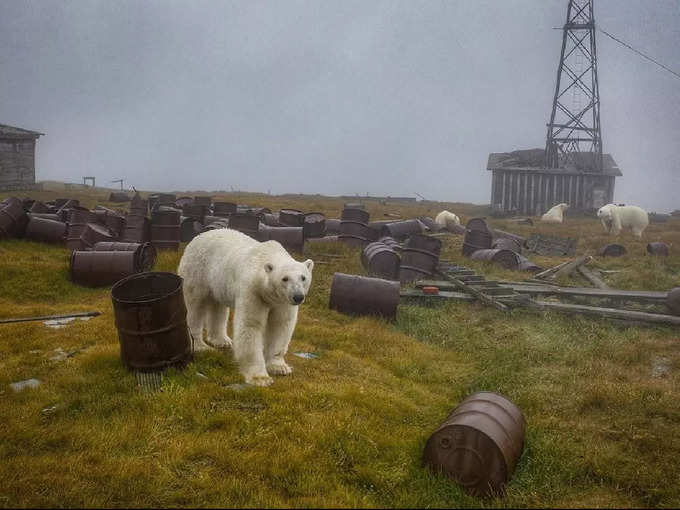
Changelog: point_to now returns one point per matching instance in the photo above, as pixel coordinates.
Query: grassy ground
(348, 428)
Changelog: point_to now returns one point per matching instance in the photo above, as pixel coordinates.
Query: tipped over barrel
(360, 295)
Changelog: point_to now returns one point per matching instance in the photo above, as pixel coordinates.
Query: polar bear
(225, 269)
(555, 214)
(615, 217)
(447, 220)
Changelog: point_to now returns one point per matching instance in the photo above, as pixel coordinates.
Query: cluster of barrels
(617, 250)
(503, 248)
(415, 259)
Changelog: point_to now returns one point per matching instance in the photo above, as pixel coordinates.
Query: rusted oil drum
(224, 208)
(150, 316)
(93, 234)
(457, 229)
(256, 211)
(527, 265)
(271, 219)
(507, 259)
(479, 444)
(420, 259)
(291, 218)
(408, 274)
(430, 224)
(119, 196)
(244, 222)
(354, 228)
(354, 205)
(355, 214)
(209, 219)
(137, 229)
(165, 228)
(673, 300)
(291, 238)
(314, 225)
(361, 295)
(115, 223)
(145, 253)
(377, 226)
(46, 216)
(381, 261)
(425, 243)
(189, 228)
(39, 207)
(203, 200)
(401, 229)
(195, 211)
(478, 224)
(501, 234)
(78, 218)
(658, 248)
(476, 240)
(139, 206)
(216, 225)
(332, 226)
(13, 219)
(101, 268)
(182, 202)
(613, 250)
(391, 242)
(45, 231)
(167, 199)
(506, 243)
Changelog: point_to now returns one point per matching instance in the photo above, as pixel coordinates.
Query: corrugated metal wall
(533, 193)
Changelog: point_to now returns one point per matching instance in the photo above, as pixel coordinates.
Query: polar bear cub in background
(615, 217)
(446, 219)
(225, 269)
(555, 214)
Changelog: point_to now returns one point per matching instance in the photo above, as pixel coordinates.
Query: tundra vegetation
(347, 428)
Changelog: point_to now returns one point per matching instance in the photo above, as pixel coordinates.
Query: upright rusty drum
(479, 444)
(151, 320)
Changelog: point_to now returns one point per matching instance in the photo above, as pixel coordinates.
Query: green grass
(348, 428)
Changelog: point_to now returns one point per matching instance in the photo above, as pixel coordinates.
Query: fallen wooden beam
(612, 313)
(550, 270)
(592, 277)
(49, 317)
(488, 300)
(570, 267)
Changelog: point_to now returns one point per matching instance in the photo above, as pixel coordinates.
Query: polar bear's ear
(309, 263)
(268, 268)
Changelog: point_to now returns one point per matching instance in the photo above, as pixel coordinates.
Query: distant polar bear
(615, 217)
(555, 214)
(225, 269)
(446, 219)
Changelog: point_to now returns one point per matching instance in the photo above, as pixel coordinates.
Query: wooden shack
(521, 184)
(17, 157)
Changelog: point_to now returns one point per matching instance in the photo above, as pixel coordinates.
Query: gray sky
(334, 97)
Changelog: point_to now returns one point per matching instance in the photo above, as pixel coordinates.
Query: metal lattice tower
(575, 119)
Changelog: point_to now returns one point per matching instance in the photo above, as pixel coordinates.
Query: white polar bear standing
(264, 285)
(555, 214)
(446, 219)
(615, 217)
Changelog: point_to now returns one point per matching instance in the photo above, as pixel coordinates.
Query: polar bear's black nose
(298, 298)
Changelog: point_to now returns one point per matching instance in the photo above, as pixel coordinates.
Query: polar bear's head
(288, 282)
(605, 212)
(563, 206)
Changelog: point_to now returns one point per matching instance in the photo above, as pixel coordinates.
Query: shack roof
(15, 132)
(532, 160)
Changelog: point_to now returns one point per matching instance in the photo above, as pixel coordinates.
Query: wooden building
(17, 157)
(521, 184)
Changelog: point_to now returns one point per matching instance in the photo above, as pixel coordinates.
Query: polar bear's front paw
(219, 343)
(279, 367)
(259, 380)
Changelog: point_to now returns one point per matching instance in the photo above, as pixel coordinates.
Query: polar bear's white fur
(225, 269)
(446, 219)
(555, 214)
(615, 217)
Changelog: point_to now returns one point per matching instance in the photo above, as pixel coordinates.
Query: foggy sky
(332, 97)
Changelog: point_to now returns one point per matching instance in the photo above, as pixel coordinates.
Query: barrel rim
(146, 274)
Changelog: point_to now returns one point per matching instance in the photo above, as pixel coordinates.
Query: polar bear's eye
(303, 278)
(285, 278)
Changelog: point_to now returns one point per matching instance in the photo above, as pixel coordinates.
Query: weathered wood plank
(611, 313)
(592, 277)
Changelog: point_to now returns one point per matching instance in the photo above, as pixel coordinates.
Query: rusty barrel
(507, 259)
(47, 216)
(354, 205)
(101, 268)
(45, 231)
(13, 218)
(361, 295)
(137, 229)
(165, 233)
(119, 196)
(506, 243)
(527, 265)
(401, 229)
(420, 252)
(478, 224)
(249, 224)
(150, 316)
(381, 261)
(673, 300)
(167, 199)
(115, 223)
(613, 250)
(314, 225)
(501, 234)
(291, 238)
(377, 227)
(391, 242)
(216, 225)
(291, 218)
(479, 444)
(332, 226)
(189, 228)
(195, 211)
(203, 200)
(93, 234)
(271, 220)
(182, 202)
(457, 229)
(354, 228)
(424, 242)
(430, 224)
(658, 248)
(78, 218)
(355, 214)
(408, 274)
(139, 206)
(476, 240)
(224, 208)
(145, 253)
